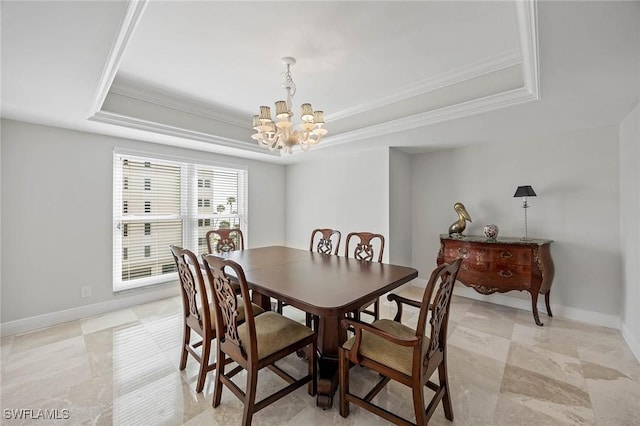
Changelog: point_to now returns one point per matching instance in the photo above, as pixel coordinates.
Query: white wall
(399, 240)
(349, 193)
(629, 228)
(56, 218)
(576, 178)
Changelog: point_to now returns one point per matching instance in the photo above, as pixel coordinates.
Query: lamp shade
(525, 191)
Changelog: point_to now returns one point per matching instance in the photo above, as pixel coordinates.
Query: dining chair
(255, 344)
(401, 353)
(363, 246)
(224, 240)
(323, 241)
(198, 313)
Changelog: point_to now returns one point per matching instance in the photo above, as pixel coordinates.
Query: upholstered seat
(198, 314)
(386, 353)
(256, 343)
(274, 332)
(404, 354)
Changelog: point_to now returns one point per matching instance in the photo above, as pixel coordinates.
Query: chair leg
(250, 397)
(204, 364)
(418, 404)
(444, 383)
(186, 336)
(343, 378)
(279, 307)
(217, 388)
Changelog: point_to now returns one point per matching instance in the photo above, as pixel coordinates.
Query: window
(188, 200)
(204, 183)
(167, 268)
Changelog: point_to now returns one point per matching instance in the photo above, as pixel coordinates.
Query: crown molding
(439, 81)
(171, 131)
(527, 23)
(145, 93)
(130, 20)
(475, 106)
(527, 56)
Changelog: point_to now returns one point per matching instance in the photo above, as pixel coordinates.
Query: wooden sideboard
(502, 265)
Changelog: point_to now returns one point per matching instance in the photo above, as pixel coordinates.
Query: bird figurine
(458, 226)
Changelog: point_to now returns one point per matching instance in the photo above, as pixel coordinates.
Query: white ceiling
(419, 75)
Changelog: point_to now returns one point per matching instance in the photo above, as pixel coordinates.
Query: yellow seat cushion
(274, 332)
(241, 315)
(383, 351)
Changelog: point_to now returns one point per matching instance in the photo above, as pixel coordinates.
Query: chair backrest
(363, 247)
(325, 241)
(227, 308)
(444, 278)
(224, 240)
(195, 300)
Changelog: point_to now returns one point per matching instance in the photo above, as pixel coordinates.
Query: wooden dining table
(324, 285)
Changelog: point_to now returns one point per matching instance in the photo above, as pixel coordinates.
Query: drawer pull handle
(505, 274)
(506, 255)
(463, 252)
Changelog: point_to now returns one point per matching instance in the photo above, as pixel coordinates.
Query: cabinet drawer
(502, 277)
(479, 254)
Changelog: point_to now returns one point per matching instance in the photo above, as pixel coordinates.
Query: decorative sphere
(490, 231)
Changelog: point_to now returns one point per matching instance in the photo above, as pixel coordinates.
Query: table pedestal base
(327, 382)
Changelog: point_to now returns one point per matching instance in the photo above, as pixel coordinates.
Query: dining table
(324, 285)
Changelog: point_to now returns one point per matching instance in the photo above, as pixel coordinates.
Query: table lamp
(525, 191)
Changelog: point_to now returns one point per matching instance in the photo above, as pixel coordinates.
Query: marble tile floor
(121, 368)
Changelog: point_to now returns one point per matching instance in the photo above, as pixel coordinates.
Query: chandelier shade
(279, 134)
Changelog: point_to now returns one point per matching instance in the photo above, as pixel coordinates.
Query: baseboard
(122, 301)
(589, 317)
(632, 342)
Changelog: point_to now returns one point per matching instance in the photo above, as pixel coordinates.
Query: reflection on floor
(122, 368)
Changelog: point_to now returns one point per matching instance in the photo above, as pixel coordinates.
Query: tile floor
(122, 368)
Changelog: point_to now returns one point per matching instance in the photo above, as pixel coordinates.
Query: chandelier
(280, 134)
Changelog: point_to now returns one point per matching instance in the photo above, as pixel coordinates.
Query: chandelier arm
(303, 141)
(311, 138)
(268, 142)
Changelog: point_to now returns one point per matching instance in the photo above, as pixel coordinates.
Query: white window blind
(159, 202)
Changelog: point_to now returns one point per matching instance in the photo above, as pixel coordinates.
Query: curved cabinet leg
(534, 307)
(546, 302)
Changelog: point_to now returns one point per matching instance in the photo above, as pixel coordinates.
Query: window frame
(189, 212)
